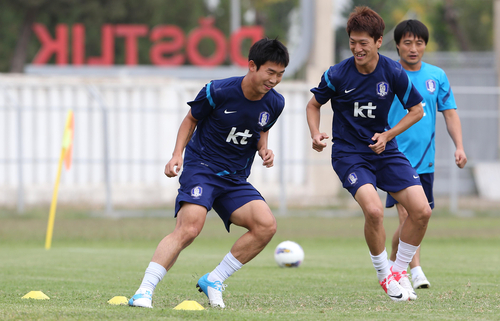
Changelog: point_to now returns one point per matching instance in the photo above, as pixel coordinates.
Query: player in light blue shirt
(364, 154)
(227, 125)
(417, 143)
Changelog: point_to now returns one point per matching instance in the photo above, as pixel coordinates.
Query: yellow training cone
(117, 300)
(37, 295)
(189, 305)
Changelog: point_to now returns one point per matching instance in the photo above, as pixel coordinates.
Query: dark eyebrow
(272, 70)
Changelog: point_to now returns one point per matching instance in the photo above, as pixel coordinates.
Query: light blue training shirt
(417, 142)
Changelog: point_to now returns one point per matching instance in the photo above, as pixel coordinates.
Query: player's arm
(313, 111)
(184, 134)
(265, 153)
(414, 114)
(454, 128)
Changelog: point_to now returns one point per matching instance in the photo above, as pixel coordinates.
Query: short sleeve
(204, 102)
(407, 93)
(325, 90)
(279, 106)
(446, 100)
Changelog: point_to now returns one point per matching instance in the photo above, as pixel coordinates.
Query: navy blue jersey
(362, 102)
(229, 126)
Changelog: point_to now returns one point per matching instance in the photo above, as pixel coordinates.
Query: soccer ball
(288, 254)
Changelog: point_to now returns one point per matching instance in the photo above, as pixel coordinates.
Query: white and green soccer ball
(289, 254)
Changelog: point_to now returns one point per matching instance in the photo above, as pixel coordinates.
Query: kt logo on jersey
(233, 136)
(359, 111)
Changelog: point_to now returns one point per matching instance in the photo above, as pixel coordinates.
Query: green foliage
(474, 18)
(95, 259)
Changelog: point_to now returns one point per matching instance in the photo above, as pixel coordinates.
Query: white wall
(143, 116)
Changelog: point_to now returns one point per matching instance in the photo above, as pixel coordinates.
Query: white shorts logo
(352, 178)
(196, 192)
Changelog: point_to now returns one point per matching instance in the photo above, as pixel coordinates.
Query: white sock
(381, 264)
(404, 256)
(153, 275)
(391, 263)
(416, 271)
(225, 269)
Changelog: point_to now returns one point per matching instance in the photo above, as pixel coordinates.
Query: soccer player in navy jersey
(417, 143)
(364, 154)
(227, 124)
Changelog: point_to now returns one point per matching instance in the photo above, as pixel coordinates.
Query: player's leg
(418, 276)
(413, 199)
(402, 214)
(358, 176)
(257, 218)
(241, 205)
(396, 176)
(370, 203)
(190, 221)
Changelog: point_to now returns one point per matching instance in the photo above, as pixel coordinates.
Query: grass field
(94, 259)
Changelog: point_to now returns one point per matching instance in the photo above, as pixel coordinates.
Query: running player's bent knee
(190, 233)
(374, 215)
(266, 230)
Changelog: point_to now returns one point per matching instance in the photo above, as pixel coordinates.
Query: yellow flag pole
(67, 141)
(53, 205)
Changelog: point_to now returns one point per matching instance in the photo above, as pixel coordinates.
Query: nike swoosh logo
(397, 296)
(229, 112)
(348, 91)
(415, 176)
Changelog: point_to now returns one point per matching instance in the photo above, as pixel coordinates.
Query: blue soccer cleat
(142, 298)
(213, 290)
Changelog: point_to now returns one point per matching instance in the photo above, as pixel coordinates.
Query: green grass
(95, 259)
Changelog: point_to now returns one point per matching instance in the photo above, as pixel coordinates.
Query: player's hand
(174, 166)
(318, 144)
(267, 156)
(460, 158)
(380, 140)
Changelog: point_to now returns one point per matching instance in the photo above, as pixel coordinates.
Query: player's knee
(189, 233)
(426, 213)
(267, 227)
(423, 215)
(374, 214)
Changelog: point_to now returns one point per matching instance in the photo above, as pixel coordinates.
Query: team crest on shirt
(430, 85)
(196, 192)
(352, 178)
(263, 118)
(382, 89)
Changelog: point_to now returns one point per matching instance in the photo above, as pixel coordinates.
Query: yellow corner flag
(66, 155)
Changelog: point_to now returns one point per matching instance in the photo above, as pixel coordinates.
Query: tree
(465, 25)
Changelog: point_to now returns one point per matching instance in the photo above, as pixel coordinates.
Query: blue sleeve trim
(446, 96)
(408, 90)
(209, 96)
(332, 87)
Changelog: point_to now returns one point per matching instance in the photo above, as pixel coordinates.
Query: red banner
(169, 45)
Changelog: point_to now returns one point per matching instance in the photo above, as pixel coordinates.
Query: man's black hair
(412, 27)
(266, 50)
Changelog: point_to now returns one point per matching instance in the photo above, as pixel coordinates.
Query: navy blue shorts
(389, 171)
(427, 181)
(202, 186)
